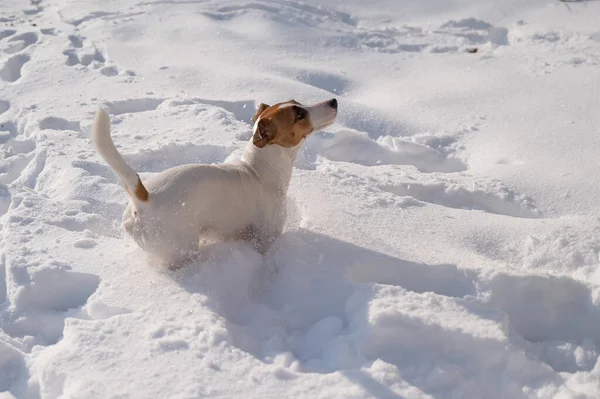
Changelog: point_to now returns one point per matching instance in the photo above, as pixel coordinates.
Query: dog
(169, 214)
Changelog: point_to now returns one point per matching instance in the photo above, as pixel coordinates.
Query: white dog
(169, 214)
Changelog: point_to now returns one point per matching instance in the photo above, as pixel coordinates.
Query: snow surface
(443, 236)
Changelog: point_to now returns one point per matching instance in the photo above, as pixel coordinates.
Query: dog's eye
(300, 113)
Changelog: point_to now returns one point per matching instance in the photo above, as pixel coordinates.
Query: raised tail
(107, 150)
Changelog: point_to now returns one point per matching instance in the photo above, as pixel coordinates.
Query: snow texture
(443, 236)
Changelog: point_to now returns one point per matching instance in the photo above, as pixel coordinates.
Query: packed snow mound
(443, 236)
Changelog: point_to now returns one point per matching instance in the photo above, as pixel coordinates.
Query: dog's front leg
(258, 238)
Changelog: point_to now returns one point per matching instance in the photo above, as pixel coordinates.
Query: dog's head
(288, 123)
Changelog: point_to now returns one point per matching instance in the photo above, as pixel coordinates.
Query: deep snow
(443, 236)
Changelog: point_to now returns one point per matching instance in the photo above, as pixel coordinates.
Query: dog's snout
(333, 103)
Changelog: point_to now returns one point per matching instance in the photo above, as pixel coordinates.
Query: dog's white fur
(245, 199)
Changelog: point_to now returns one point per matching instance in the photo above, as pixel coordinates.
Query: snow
(443, 236)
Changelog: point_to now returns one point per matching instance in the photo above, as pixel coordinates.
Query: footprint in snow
(557, 316)
(492, 198)
(4, 106)
(133, 105)
(6, 33)
(16, 155)
(47, 294)
(84, 54)
(85, 243)
(17, 43)
(56, 123)
(11, 70)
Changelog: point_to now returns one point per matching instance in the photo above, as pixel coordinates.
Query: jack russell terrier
(246, 199)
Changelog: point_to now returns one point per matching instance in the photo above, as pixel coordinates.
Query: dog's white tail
(106, 148)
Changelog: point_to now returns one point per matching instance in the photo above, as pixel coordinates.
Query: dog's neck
(273, 164)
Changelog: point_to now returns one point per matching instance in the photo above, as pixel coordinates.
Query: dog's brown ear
(261, 109)
(264, 133)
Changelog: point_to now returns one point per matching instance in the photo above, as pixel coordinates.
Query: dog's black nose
(333, 103)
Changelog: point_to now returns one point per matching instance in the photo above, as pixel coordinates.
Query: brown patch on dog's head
(261, 108)
(285, 124)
